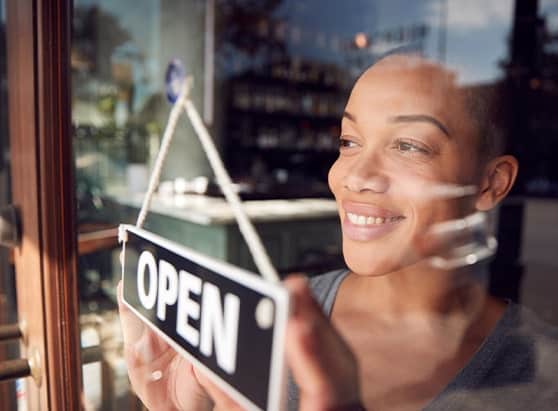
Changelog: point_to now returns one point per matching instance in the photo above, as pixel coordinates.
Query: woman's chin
(379, 263)
(369, 266)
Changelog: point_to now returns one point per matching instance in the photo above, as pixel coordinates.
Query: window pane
(453, 85)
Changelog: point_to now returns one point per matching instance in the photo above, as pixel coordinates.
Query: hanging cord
(223, 179)
(163, 151)
(259, 254)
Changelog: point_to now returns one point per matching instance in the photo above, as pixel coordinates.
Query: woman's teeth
(369, 220)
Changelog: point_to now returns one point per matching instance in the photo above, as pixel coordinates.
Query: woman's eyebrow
(412, 118)
(349, 116)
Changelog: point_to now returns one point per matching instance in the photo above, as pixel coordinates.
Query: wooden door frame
(38, 47)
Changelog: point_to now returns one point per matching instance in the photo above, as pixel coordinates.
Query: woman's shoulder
(514, 369)
(324, 287)
(523, 365)
(540, 336)
(521, 322)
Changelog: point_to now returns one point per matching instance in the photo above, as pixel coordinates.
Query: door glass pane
(271, 81)
(8, 310)
(120, 50)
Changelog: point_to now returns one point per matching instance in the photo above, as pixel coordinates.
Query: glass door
(120, 51)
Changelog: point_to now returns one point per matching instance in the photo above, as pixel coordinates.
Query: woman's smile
(365, 222)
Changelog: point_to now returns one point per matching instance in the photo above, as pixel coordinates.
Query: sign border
(275, 398)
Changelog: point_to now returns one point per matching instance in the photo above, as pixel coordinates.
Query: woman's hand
(323, 366)
(162, 379)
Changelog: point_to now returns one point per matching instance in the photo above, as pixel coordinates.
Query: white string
(223, 179)
(165, 144)
(255, 246)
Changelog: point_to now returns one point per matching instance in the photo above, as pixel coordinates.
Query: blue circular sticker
(174, 79)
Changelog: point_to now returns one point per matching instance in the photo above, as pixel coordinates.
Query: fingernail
(156, 375)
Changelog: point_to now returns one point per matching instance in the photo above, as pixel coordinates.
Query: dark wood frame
(38, 41)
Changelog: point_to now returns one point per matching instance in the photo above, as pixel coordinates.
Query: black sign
(225, 320)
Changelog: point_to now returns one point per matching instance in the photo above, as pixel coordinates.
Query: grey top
(516, 367)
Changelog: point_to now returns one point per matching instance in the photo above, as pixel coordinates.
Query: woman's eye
(411, 147)
(346, 143)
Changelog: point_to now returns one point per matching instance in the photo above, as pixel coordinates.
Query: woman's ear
(497, 180)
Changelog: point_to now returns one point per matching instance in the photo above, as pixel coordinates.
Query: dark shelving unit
(282, 127)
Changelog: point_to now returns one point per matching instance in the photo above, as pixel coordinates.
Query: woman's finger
(221, 400)
(132, 327)
(322, 364)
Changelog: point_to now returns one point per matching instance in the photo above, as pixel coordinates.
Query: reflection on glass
(119, 54)
(281, 73)
(415, 325)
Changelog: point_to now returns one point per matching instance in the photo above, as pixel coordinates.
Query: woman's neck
(420, 294)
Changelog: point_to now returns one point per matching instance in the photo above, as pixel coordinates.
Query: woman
(394, 332)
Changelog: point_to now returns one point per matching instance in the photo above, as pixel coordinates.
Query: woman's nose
(366, 175)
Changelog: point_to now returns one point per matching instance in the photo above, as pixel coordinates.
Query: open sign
(223, 319)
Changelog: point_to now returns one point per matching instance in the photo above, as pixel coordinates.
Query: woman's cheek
(333, 177)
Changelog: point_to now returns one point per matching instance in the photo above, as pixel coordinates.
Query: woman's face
(405, 135)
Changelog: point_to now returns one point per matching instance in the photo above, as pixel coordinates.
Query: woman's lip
(367, 232)
(368, 210)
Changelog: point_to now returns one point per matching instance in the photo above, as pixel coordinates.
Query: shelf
(332, 120)
(262, 80)
(287, 150)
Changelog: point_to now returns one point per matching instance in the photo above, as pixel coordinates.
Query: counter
(299, 235)
(214, 210)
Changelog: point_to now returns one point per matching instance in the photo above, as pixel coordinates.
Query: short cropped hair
(488, 106)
